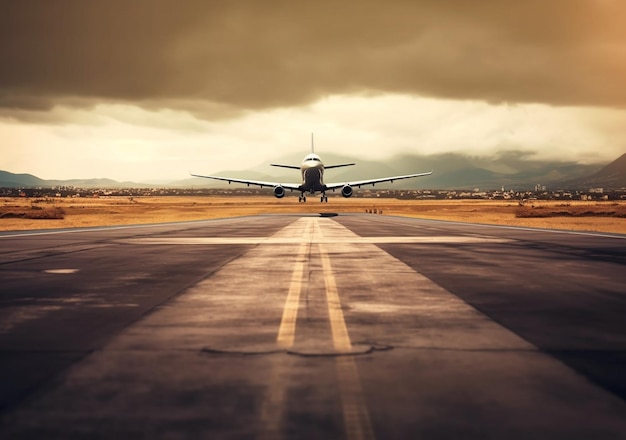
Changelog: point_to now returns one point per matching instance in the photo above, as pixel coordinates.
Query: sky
(148, 90)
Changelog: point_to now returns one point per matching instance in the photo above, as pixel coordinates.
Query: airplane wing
(328, 167)
(359, 183)
(292, 186)
(292, 167)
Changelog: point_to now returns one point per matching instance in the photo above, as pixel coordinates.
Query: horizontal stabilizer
(293, 167)
(339, 166)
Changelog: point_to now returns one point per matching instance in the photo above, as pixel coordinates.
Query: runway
(281, 326)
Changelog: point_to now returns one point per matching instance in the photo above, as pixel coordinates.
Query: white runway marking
(316, 240)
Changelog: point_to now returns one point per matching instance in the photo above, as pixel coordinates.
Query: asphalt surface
(355, 326)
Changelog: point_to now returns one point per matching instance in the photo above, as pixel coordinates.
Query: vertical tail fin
(312, 144)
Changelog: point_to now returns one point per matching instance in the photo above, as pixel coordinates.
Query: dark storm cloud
(251, 55)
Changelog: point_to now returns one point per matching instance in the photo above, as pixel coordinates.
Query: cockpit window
(312, 157)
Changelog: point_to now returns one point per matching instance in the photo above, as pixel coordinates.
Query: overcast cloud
(134, 84)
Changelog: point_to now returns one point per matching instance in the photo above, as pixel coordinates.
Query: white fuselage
(312, 170)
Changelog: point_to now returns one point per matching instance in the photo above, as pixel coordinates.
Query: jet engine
(279, 192)
(346, 191)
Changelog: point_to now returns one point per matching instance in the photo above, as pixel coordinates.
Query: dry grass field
(26, 213)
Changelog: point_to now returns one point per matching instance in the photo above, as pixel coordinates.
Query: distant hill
(97, 183)
(612, 176)
(513, 170)
(11, 180)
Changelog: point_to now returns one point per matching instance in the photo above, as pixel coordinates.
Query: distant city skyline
(150, 90)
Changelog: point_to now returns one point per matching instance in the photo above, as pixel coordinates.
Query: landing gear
(302, 198)
(324, 198)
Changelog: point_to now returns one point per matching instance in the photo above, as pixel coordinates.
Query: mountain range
(512, 170)
(11, 180)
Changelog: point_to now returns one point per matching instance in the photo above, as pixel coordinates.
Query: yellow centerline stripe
(356, 417)
(287, 329)
(355, 414)
(341, 339)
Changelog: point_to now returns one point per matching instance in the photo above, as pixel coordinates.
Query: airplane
(312, 172)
